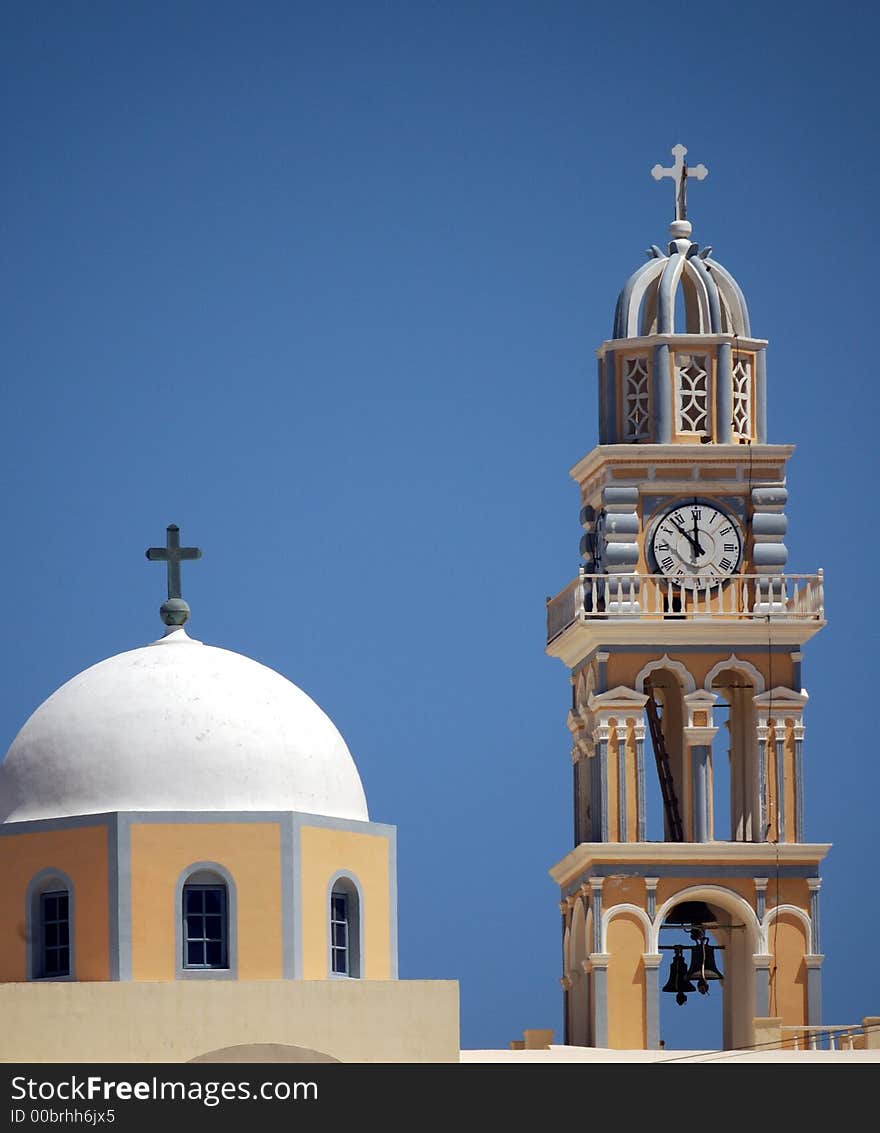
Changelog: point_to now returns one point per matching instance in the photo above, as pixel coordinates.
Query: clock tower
(682, 632)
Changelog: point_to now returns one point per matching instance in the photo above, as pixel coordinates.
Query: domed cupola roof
(711, 299)
(178, 726)
(682, 366)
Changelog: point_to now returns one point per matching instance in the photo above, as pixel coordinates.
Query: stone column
(724, 396)
(596, 906)
(779, 737)
(763, 731)
(602, 671)
(661, 395)
(814, 990)
(600, 738)
(760, 898)
(815, 885)
(599, 966)
(621, 782)
(652, 999)
(762, 963)
(651, 896)
(586, 979)
(761, 397)
(799, 782)
(698, 736)
(641, 832)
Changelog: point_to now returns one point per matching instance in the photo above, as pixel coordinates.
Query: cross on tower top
(679, 172)
(175, 611)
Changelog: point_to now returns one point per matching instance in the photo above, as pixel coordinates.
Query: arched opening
(668, 695)
(735, 794)
(720, 1018)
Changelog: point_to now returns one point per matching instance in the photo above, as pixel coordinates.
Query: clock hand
(698, 550)
(696, 542)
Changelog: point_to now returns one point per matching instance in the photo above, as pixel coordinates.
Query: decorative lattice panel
(692, 393)
(742, 397)
(635, 399)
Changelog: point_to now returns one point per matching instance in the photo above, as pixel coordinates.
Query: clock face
(696, 544)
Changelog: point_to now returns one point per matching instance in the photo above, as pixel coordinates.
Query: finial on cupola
(174, 611)
(681, 227)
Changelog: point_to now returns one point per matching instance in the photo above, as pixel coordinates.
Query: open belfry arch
(683, 633)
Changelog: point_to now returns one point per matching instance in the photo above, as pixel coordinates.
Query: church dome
(684, 277)
(179, 726)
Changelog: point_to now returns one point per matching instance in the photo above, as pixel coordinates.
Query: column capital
(813, 960)
(761, 883)
(815, 884)
(699, 737)
(565, 982)
(596, 884)
(652, 959)
(651, 882)
(600, 960)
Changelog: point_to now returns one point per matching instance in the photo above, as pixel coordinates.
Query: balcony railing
(589, 597)
(824, 1038)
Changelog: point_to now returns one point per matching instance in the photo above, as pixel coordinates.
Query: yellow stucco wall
(352, 1020)
(667, 887)
(81, 853)
(788, 975)
(623, 891)
(325, 852)
(250, 852)
(627, 1025)
(623, 668)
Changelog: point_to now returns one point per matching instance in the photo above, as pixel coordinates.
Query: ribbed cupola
(682, 366)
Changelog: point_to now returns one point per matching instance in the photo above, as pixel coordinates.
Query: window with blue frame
(205, 926)
(339, 934)
(54, 934)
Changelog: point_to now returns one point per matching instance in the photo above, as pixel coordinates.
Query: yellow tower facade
(683, 634)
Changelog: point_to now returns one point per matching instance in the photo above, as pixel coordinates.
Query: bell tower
(682, 633)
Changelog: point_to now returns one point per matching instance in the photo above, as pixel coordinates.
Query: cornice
(671, 454)
(684, 341)
(703, 854)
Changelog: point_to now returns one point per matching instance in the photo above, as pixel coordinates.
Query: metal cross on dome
(173, 554)
(679, 173)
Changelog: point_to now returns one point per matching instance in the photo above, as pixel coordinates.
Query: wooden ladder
(661, 756)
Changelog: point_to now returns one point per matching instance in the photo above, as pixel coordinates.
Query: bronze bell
(678, 981)
(703, 967)
(690, 913)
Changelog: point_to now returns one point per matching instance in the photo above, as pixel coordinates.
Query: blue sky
(322, 284)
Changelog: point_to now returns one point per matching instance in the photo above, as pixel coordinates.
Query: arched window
(345, 928)
(206, 918)
(50, 918)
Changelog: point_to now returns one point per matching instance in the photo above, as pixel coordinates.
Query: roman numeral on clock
(668, 563)
(730, 547)
(726, 564)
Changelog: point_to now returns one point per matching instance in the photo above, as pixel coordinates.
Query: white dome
(178, 725)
